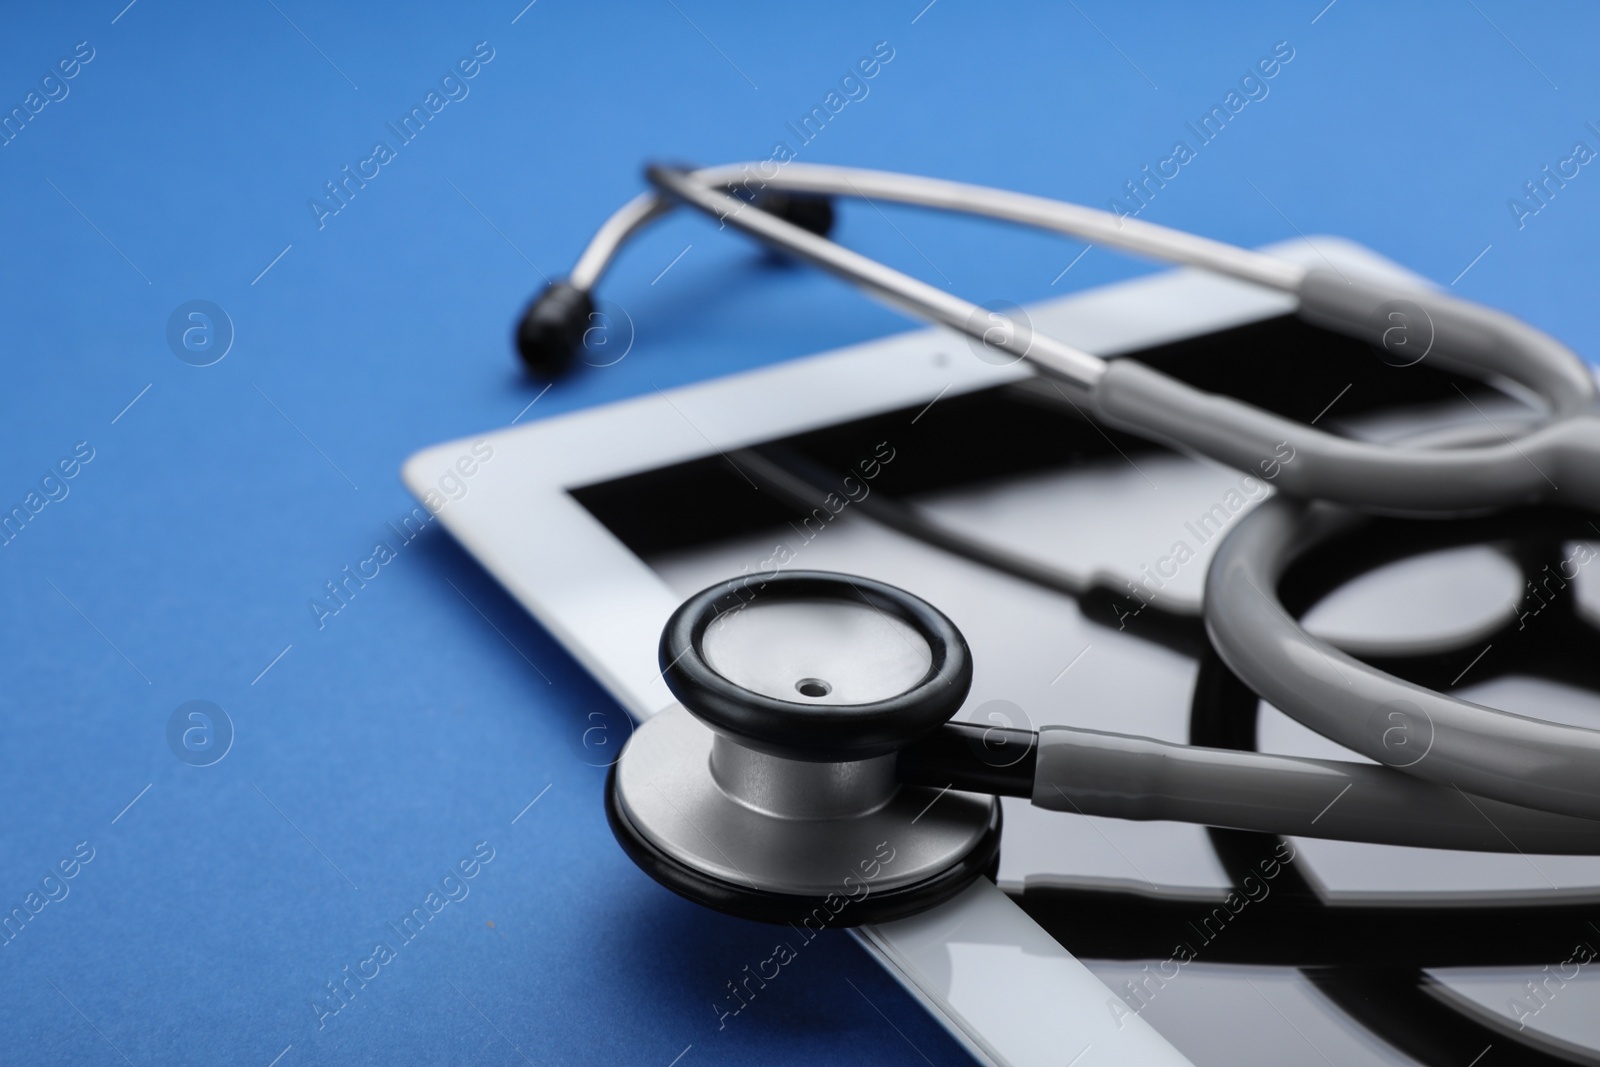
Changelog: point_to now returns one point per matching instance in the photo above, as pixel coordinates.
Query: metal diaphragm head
(771, 792)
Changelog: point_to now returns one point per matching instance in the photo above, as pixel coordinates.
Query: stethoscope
(811, 767)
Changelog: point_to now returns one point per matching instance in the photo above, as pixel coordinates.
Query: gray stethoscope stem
(1098, 227)
(1554, 462)
(1079, 368)
(1125, 777)
(917, 298)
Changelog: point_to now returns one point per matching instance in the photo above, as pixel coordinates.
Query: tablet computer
(1111, 941)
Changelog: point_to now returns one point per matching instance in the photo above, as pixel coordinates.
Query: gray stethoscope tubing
(1464, 746)
(1129, 777)
(1323, 688)
(1125, 776)
(1554, 462)
(1472, 749)
(1099, 227)
(1121, 776)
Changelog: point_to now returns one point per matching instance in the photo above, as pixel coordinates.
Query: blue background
(378, 750)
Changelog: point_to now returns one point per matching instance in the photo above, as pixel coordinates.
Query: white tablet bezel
(1004, 987)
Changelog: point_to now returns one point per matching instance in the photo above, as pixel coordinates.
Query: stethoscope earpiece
(551, 331)
(771, 793)
(805, 210)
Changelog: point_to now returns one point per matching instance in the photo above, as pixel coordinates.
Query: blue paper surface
(225, 908)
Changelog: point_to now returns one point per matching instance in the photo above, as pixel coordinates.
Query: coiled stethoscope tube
(1485, 780)
(1453, 742)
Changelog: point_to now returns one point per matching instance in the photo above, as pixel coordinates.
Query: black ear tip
(810, 211)
(552, 329)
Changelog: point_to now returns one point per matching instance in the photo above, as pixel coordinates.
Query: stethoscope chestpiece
(770, 793)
